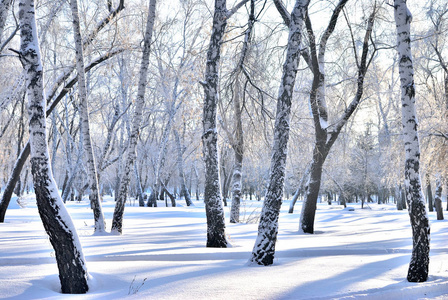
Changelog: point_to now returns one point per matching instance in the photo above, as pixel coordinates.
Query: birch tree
(216, 236)
(264, 248)
(237, 139)
(418, 267)
(55, 218)
(94, 196)
(117, 222)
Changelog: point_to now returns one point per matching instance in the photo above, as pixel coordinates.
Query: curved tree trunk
(264, 248)
(117, 222)
(327, 135)
(55, 218)
(418, 267)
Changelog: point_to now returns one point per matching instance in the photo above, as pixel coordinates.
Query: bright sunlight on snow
(359, 254)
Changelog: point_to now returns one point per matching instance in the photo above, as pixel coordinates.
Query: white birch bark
(117, 222)
(418, 267)
(264, 248)
(94, 197)
(214, 209)
(55, 218)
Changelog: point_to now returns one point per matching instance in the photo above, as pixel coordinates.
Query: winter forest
(244, 149)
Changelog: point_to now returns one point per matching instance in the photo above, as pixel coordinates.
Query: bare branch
(286, 16)
(235, 8)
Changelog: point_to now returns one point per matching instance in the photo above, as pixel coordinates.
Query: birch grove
(242, 109)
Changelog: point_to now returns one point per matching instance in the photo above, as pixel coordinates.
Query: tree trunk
(300, 188)
(238, 140)
(327, 135)
(418, 267)
(180, 165)
(55, 218)
(403, 198)
(94, 197)
(438, 199)
(264, 248)
(14, 177)
(117, 222)
(238, 149)
(138, 186)
(429, 194)
(216, 236)
(313, 187)
(398, 198)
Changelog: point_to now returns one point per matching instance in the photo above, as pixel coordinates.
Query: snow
(359, 254)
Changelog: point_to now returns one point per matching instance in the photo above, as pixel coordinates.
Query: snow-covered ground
(360, 254)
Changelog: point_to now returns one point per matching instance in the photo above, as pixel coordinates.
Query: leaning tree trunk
(117, 222)
(55, 218)
(14, 177)
(94, 197)
(216, 236)
(418, 267)
(264, 248)
(438, 199)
